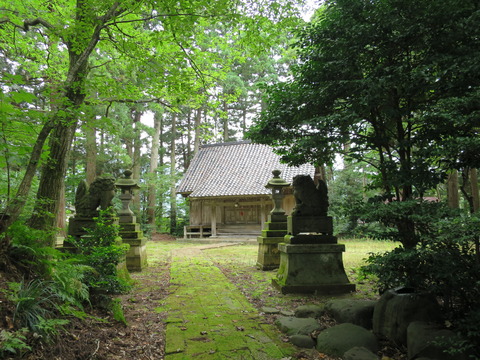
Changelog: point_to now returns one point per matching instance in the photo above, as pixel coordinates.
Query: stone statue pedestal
(311, 260)
(272, 235)
(136, 257)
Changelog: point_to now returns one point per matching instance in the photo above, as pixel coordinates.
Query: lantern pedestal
(275, 228)
(272, 235)
(136, 257)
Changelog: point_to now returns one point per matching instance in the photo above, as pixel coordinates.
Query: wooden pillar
(213, 219)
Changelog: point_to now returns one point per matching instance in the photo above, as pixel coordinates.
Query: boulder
(295, 326)
(303, 341)
(359, 353)
(396, 309)
(429, 340)
(337, 340)
(309, 311)
(358, 312)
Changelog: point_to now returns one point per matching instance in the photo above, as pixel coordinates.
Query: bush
(446, 264)
(103, 250)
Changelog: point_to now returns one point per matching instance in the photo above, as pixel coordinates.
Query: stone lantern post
(127, 185)
(276, 184)
(130, 232)
(275, 228)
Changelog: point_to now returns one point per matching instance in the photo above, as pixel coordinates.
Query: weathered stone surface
(295, 326)
(312, 268)
(337, 340)
(287, 313)
(359, 353)
(309, 224)
(396, 309)
(358, 312)
(303, 341)
(310, 199)
(270, 310)
(310, 239)
(420, 341)
(309, 311)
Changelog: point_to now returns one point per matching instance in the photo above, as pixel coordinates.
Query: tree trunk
(136, 168)
(225, 122)
(53, 171)
(15, 207)
(474, 189)
(173, 193)
(157, 124)
(91, 153)
(452, 190)
(198, 122)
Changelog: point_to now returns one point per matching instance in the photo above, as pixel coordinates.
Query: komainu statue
(310, 200)
(89, 198)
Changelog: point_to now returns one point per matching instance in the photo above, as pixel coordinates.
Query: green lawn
(238, 263)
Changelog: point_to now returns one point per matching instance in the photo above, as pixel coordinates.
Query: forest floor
(148, 310)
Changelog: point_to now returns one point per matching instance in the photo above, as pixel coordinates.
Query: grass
(238, 262)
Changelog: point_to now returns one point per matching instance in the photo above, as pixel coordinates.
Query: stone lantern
(127, 185)
(136, 257)
(276, 184)
(275, 228)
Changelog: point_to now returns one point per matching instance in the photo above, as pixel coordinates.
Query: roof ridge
(227, 143)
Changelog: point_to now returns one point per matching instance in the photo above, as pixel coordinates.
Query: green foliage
(35, 307)
(31, 251)
(117, 311)
(389, 84)
(103, 251)
(13, 342)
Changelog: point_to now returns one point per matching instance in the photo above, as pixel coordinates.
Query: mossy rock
(337, 340)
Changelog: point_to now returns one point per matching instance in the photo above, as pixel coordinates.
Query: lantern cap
(127, 182)
(276, 181)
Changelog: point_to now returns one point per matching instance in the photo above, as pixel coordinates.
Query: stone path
(208, 318)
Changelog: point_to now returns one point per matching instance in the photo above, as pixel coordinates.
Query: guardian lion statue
(89, 198)
(310, 200)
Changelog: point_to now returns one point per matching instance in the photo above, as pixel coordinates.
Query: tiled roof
(235, 169)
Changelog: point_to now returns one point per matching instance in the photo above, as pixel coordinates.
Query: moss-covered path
(208, 318)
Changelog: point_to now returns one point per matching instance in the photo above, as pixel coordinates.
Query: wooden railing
(200, 231)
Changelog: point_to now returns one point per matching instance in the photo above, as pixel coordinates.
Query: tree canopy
(62, 57)
(396, 81)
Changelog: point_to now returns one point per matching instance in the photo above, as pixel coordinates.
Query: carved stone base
(268, 253)
(136, 257)
(312, 268)
(310, 224)
(273, 234)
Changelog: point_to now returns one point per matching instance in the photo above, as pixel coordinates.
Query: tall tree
(396, 79)
(152, 194)
(154, 42)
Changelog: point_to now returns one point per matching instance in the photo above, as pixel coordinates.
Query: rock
(397, 308)
(270, 310)
(287, 313)
(338, 339)
(421, 337)
(359, 353)
(358, 312)
(309, 311)
(296, 326)
(303, 341)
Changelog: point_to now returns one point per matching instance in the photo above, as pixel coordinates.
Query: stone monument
(310, 257)
(130, 232)
(88, 201)
(275, 228)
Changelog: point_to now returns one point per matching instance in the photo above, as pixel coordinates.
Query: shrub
(446, 264)
(103, 251)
